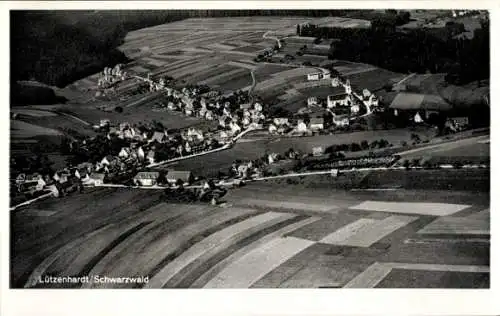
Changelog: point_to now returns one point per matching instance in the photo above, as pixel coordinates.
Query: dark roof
(176, 175)
(415, 101)
(317, 120)
(339, 96)
(147, 175)
(97, 176)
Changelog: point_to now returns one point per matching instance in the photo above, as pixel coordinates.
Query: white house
(341, 121)
(317, 124)
(258, 107)
(108, 160)
(301, 126)
(97, 178)
(151, 156)
(124, 153)
(418, 118)
(235, 128)
(279, 121)
(272, 129)
(246, 121)
(314, 76)
(318, 151)
(335, 100)
(158, 137)
(146, 178)
(355, 108)
(209, 115)
(312, 101)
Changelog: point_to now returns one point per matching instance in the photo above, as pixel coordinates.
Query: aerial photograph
(320, 149)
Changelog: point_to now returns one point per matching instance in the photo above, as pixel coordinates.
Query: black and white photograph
(249, 149)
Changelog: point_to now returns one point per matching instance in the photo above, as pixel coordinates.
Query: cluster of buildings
(271, 163)
(111, 76)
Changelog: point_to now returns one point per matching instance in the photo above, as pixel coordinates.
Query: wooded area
(418, 50)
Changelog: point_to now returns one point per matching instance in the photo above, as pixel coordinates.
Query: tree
(118, 109)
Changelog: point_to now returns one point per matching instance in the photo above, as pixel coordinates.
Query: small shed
(317, 123)
(185, 176)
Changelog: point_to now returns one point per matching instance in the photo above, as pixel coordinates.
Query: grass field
(286, 236)
(20, 130)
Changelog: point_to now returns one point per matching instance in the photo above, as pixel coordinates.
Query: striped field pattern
(248, 242)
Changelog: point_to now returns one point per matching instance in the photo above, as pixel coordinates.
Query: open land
(364, 229)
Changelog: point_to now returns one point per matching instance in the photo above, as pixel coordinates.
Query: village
(251, 148)
(126, 154)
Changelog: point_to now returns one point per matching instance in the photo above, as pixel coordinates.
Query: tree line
(418, 50)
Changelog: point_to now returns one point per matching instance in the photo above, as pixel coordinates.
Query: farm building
(317, 124)
(109, 160)
(340, 120)
(301, 126)
(124, 152)
(335, 100)
(97, 178)
(146, 178)
(318, 76)
(151, 156)
(185, 176)
(424, 105)
(318, 151)
(280, 121)
(312, 101)
(159, 137)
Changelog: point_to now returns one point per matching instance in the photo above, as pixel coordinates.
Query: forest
(418, 50)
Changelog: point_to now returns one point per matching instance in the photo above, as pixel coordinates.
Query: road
(262, 236)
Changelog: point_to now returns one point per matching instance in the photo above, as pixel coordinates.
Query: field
(265, 236)
(209, 165)
(21, 130)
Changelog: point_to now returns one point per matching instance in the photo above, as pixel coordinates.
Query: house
(185, 176)
(104, 122)
(108, 160)
(355, 108)
(312, 101)
(301, 126)
(417, 118)
(128, 134)
(235, 128)
(317, 124)
(409, 104)
(146, 178)
(279, 121)
(140, 153)
(113, 131)
(314, 76)
(151, 156)
(124, 126)
(318, 151)
(124, 153)
(258, 107)
(158, 137)
(97, 178)
(342, 99)
(209, 115)
(272, 129)
(246, 121)
(246, 106)
(340, 120)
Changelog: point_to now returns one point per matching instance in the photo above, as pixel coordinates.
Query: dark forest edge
(60, 47)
